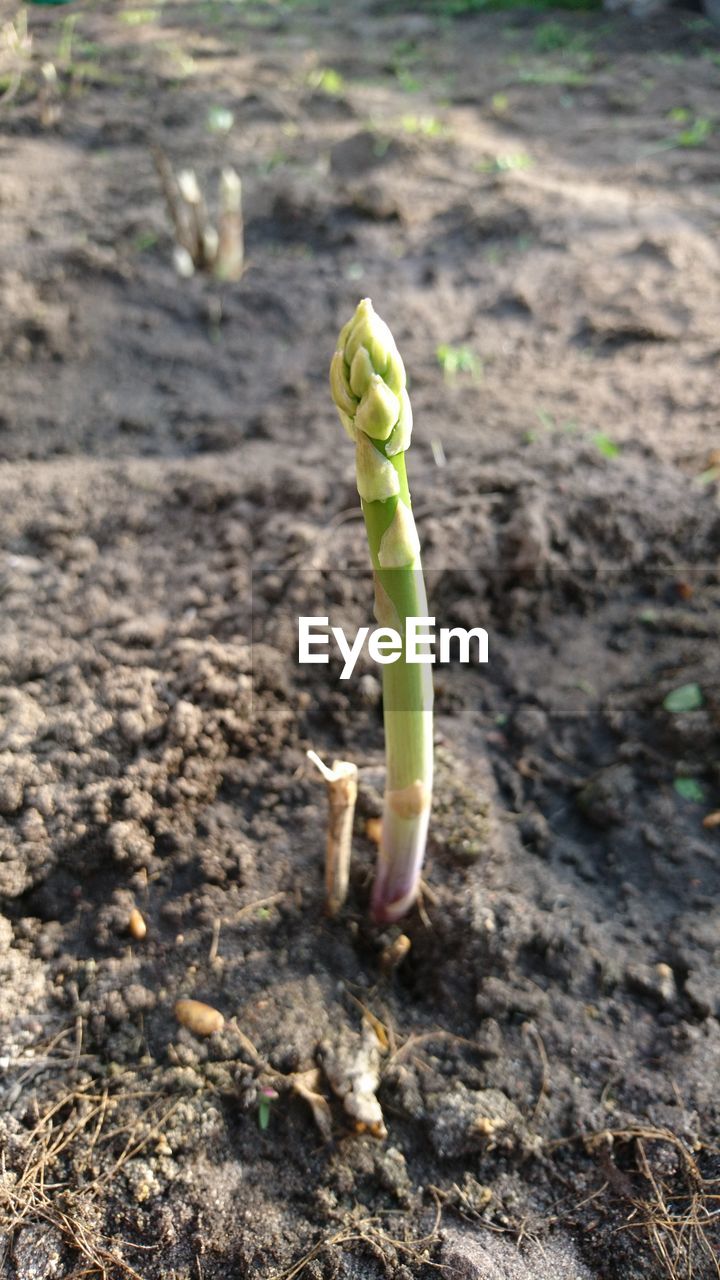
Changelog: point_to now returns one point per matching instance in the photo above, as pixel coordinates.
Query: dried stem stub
(199, 244)
(341, 782)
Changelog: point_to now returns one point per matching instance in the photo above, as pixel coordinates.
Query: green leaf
(428, 126)
(145, 240)
(607, 447)
(698, 133)
(506, 162)
(687, 697)
(327, 80)
(263, 1113)
(689, 789)
(455, 360)
(138, 17)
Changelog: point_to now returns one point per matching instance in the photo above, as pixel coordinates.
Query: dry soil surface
(533, 203)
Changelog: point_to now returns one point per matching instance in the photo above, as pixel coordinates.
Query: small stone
(534, 830)
(38, 1253)
(141, 1180)
(703, 994)
(11, 795)
(202, 1019)
(604, 799)
(130, 843)
(6, 934)
(185, 722)
(471, 1253)
(392, 1172)
(136, 925)
(369, 689)
(465, 1120)
(373, 830)
(530, 723)
(656, 981)
(395, 952)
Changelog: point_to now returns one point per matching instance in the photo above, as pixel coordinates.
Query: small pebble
(199, 1018)
(136, 925)
(395, 952)
(373, 830)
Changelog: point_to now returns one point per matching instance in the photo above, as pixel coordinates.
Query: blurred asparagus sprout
(368, 385)
(201, 245)
(15, 53)
(17, 65)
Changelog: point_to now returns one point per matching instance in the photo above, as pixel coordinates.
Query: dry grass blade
(71, 1137)
(676, 1234)
(675, 1220)
(367, 1231)
(417, 1039)
(532, 1032)
(177, 209)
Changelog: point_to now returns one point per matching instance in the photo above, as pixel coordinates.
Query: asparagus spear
(367, 381)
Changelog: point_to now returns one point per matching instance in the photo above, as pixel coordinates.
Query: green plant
(428, 126)
(454, 360)
(499, 104)
(267, 1097)
(563, 76)
(368, 385)
(405, 58)
(508, 163)
(15, 52)
(695, 135)
(327, 80)
(145, 240)
(552, 36)
(687, 697)
(407, 81)
(607, 447)
(690, 789)
(550, 423)
(220, 120)
(138, 17)
(65, 43)
(458, 8)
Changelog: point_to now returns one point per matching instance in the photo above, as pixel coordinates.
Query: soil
(540, 192)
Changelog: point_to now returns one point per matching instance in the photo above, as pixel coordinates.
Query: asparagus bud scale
(368, 385)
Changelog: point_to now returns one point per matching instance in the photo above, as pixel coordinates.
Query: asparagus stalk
(230, 257)
(367, 381)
